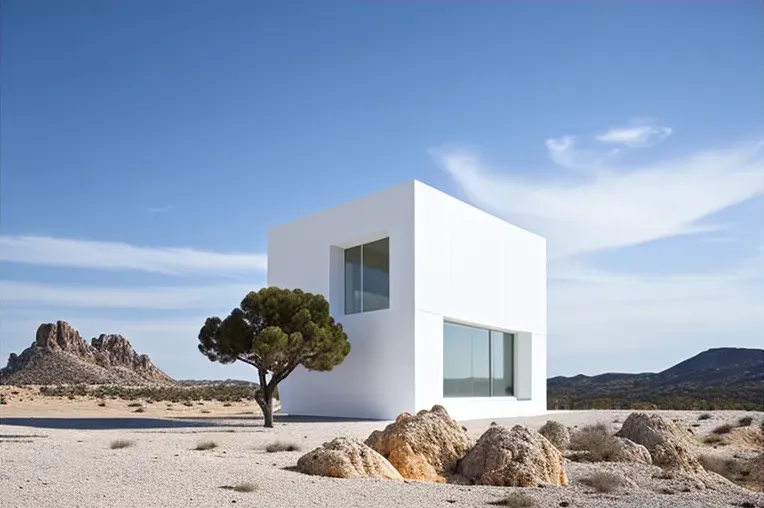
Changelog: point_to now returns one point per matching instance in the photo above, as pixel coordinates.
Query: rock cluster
(59, 355)
(431, 446)
(667, 442)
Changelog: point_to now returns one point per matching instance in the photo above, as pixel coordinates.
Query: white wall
(476, 269)
(376, 379)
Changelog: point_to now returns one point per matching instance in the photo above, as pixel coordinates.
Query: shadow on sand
(163, 423)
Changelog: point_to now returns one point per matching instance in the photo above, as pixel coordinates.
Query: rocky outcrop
(668, 443)
(626, 450)
(556, 433)
(59, 355)
(346, 458)
(518, 457)
(426, 446)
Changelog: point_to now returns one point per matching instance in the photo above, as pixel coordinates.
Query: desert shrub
(206, 445)
(595, 439)
(139, 410)
(729, 468)
(712, 439)
(102, 404)
(3, 401)
(188, 403)
(606, 482)
(227, 404)
(517, 499)
(282, 446)
(556, 433)
(745, 421)
(725, 428)
(118, 444)
(205, 411)
(704, 416)
(71, 397)
(245, 487)
(134, 404)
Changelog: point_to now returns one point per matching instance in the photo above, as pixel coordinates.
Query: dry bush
(745, 421)
(725, 428)
(705, 416)
(556, 433)
(139, 410)
(712, 439)
(134, 404)
(606, 482)
(102, 404)
(730, 468)
(595, 439)
(282, 446)
(206, 445)
(118, 444)
(517, 500)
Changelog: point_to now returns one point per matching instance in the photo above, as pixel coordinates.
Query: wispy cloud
(19, 294)
(636, 134)
(565, 152)
(619, 319)
(614, 207)
(87, 254)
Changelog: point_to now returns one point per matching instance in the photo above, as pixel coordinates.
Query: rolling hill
(720, 378)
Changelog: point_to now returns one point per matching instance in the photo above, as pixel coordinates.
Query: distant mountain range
(721, 378)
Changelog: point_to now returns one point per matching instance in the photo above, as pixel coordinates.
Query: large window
(477, 362)
(367, 277)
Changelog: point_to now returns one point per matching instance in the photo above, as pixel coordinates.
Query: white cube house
(442, 303)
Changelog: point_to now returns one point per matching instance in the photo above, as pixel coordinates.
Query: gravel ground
(41, 467)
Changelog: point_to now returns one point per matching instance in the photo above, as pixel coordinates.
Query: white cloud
(615, 207)
(73, 253)
(639, 133)
(564, 152)
(602, 321)
(15, 294)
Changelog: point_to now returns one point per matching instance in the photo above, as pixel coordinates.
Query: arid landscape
(119, 432)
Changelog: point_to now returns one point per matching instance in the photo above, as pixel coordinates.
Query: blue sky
(147, 146)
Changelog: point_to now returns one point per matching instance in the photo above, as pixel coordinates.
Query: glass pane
(465, 361)
(353, 280)
(481, 362)
(457, 368)
(502, 364)
(376, 275)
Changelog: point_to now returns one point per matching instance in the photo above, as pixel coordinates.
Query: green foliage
(275, 330)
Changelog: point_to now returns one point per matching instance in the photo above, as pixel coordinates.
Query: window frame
(360, 303)
(491, 330)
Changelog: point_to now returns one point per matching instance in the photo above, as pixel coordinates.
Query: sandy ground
(42, 466)
(27, 402)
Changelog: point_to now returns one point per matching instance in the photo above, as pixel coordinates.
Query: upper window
(367, 277)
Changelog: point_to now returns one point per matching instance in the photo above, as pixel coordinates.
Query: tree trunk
(268, 410)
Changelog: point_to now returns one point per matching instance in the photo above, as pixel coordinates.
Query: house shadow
(225, 421)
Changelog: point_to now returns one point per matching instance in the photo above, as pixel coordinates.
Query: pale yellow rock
(517, 457)
(425, 446)
(346, 458)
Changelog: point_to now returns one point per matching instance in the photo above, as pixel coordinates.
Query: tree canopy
(275, 330)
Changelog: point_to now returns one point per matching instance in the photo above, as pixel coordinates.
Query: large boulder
(425, 446)
(668, 443)
(556, 433)
(346, 458)
(518, 457)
